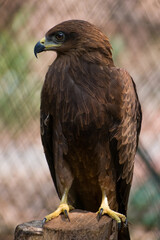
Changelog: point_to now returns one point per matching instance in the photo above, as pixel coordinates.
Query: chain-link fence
(26, 189)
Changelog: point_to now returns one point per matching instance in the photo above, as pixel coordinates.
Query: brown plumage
(90, 118)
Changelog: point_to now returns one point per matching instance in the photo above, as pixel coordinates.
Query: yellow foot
(63, 208)
(114, 215)
(105, 209)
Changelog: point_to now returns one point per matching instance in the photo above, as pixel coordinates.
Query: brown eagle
(90, 121)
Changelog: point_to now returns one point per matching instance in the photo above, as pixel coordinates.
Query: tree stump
(82, 226)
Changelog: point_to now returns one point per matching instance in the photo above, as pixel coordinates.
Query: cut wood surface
(82, 226)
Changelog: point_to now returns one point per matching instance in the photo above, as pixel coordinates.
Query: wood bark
(82, 226)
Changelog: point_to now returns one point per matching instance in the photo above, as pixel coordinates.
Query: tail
(123, 234)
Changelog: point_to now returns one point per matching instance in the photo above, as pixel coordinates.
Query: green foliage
(118, 45)
(17, 80)
(144, 204)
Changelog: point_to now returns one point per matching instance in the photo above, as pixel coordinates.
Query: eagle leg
(63, 208)
(105, 209)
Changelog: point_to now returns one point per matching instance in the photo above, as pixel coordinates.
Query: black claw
(43, 221)
(119, 226)
(126, 223)
(100, 213)
(66, 215)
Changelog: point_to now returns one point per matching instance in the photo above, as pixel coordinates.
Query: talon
(44, 221)
(66, 215)
(119, 226)
(100, 213)
(126, 223)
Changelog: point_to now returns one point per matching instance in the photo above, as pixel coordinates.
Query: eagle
(90, 119)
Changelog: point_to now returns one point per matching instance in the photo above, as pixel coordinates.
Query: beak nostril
(42, 41)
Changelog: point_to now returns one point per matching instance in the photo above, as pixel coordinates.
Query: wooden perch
(82, 226)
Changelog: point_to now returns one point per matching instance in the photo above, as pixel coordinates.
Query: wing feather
(46, 126)
(124, 138)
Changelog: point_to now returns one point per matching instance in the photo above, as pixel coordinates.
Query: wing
(53, 141)
(124, 137)
(46, 125)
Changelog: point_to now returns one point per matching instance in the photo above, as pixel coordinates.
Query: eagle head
(74, 36)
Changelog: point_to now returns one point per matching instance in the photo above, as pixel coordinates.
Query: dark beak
(38, 48)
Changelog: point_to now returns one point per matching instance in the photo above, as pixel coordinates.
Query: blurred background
(133, 27)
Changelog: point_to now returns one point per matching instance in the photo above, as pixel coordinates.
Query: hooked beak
(45, 45)
(39, 47)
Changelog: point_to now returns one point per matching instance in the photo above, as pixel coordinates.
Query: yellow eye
(59, 36)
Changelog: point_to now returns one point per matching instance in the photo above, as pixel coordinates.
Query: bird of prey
(90, 121)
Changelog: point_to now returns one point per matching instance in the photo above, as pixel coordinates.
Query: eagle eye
(59, 36)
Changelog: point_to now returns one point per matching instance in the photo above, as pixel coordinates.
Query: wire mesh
(26, 189)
